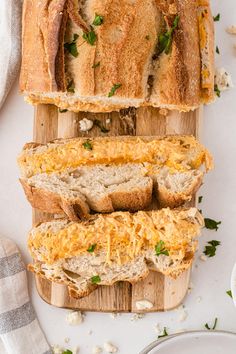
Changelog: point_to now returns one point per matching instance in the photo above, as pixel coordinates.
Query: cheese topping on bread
(179, 153)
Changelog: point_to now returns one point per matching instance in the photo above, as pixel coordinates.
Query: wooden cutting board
(164, 292)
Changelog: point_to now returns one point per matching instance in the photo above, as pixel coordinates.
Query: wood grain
(165, 293)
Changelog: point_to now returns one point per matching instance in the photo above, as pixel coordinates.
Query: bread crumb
(97, 350)
(158, 329)
(231, 29)
(203, 258)
(143, 305)
(163, 112)
(223, 79)
(74, 318)
(114, 315)
(172, 9)
(85, 124)
(137, 316)
(57, 349)
(110, 348)
(183, 316)
(108, 120)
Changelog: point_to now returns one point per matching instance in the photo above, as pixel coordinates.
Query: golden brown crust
(125, 57)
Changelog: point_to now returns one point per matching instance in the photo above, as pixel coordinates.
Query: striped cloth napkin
(19, 328)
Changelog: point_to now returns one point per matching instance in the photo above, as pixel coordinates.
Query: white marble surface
(210, 279)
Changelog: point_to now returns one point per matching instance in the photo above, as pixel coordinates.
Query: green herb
(62, 110)
(217, 90)
(71, 86)
(90, 37)
(216, 18)
(217, 50)
(165, 334)
(92, 248)
(165, 39)
(200, 199)
(72, 47)
(99, 124)
(160, 249)
(229, 292)
(96, 279)
(210, 249)
(147, 37)
(98, 20)
(211, 224)
(113, 89)
(67, 351)
(96, 65)
(214, 325)
(87, 145)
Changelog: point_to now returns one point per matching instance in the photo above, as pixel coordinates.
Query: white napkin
(20, 332)
(10, 41)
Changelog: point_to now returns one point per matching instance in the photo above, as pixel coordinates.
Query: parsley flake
(96, 279)
(113, 89)
(229, 292)
(165, 333)
(217, 90)
(99, 124)
(217, 50)
(211, 224)
(160, 249)
(210, 248)
(88, 145)
(62, 110)
(71, 86)
(96, 65)
(90, 37)
(67, 351)
(98, 20)
(200, 199)
(216, 18)
(165, 39)
(91, 248)
(72, 47)
(214, 325)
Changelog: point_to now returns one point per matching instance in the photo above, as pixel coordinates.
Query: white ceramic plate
(233, 284)
(195, 342)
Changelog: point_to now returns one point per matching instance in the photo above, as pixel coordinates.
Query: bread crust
(128, 60)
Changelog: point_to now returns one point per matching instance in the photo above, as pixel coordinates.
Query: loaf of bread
(114, 247)
(76, 176)
(101, 56)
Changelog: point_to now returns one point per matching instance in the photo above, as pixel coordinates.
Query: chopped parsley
(90, 37)
(67, 351)
(96, 65)
(229, 292)
(210, 248)
(216, 18)
(160, 249)
(71, 86)
(217, 90)
(200, 199)
(165, 39)
(165, 334)
(214, 325)
(113, 89)
(98, 20)
(91, 248)
(217, 50)
(62, 110)
(96, 279)
(99, 124)
(211, 224)
(72, 47)
(87, 145)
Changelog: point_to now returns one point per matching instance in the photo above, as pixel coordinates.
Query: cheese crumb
(223, 79)
(74, 318)
(231, 29)
(158, 329)
(143, 304)
(85, 124)
(57, 349)
(110, 348)
(183, 316)
(97, 350)
(137, 316)
(108, 120)
(66, 340)
(203, 258)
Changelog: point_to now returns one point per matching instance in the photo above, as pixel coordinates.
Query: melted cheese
(122, 236)
(179, 152)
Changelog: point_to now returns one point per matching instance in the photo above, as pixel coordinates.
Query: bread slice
(103, 188)
(179, 153)
(99, 188)
(123, 66)
(114, 247)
